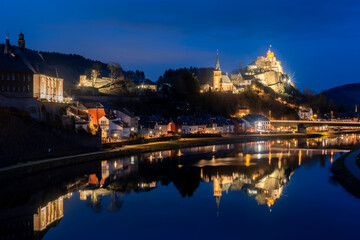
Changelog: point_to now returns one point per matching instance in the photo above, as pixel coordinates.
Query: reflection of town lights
(300, 157)
(269, 158)
(247, 160)
(115, 164)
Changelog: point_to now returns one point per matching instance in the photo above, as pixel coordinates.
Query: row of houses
(154, 126)
(116, 124)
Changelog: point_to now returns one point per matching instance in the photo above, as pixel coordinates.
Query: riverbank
(28, 168)
(344, 176)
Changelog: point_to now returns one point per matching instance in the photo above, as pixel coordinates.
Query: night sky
(317, 41)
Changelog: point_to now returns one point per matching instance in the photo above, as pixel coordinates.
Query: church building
(221, 82)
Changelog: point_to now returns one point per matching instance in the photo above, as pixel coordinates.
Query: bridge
(301, 125)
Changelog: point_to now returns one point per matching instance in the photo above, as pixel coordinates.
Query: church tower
(7, 45)
(217, 74)
(21, 42)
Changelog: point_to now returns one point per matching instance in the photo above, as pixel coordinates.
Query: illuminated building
(221, 82)
(268, 70)
(25, 74)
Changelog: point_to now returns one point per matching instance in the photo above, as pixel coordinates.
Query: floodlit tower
(217, 74)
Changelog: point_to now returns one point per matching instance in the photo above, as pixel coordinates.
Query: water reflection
(259, 169)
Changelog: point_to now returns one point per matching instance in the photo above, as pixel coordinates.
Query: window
(2, 88)
(13, 77)
(2, 77)
(24, 78)
(29, 78)
(23, 88)
(7, 77)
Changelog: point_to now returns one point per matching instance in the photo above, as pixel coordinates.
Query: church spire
(217, 66)
(7, 44)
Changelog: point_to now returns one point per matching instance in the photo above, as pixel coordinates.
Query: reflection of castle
(265, 184)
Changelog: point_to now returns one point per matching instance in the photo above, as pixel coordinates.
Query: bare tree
(115, 71)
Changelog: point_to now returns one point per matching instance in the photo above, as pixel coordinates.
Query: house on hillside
(127, 117)
(113, 128)
(96, 111)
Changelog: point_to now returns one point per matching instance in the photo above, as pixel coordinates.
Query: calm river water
(271, 189)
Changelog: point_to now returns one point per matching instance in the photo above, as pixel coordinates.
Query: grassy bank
(45, 164)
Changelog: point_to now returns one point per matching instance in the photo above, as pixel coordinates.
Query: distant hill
(71, 66)
(347, 95)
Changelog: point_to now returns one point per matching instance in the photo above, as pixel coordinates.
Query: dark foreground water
(260, 190)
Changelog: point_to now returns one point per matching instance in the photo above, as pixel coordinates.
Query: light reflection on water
(258, 170)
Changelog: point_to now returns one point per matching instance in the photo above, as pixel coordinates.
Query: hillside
(347, 95)
(71, 66)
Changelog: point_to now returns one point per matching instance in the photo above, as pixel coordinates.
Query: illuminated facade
(48, 88)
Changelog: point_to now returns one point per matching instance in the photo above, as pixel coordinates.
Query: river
(266, 189)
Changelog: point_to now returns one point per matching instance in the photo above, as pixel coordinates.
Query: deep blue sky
(317, 40)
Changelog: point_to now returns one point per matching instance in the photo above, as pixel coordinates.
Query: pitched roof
(25, 61)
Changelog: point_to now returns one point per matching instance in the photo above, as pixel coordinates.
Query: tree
(186, 84)
(95, 73)
(115, 71)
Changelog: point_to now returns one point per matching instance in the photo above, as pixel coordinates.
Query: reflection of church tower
(217, 192)
(217, 74)
(21, 42)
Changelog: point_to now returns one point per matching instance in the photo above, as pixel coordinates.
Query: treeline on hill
(320, 103)
(71, 66)
(203, 75)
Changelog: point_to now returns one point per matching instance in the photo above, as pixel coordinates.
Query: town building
(112, 128)
(256, 123)
(25, 74)
(305, 113)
